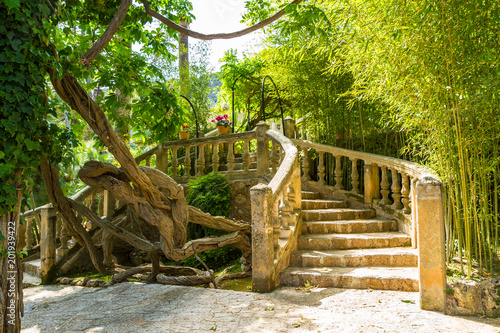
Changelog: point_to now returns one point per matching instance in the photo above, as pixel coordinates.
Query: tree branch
(112, 28)
(198, 35)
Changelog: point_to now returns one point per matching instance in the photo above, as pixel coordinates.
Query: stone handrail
(276, 209)
(285, 172)
(411, 169)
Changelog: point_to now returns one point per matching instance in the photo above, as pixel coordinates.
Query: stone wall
(471, 298)
(240, 199)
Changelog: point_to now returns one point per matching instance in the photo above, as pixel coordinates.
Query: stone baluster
(48, 244)
(215, 157)
(385, 187)
(30, 236)
(274, 158)
(305, 164)
(284, 210)
(262, 149)
(321, 168)
(372, 182)
(396, 190)
(187, 162)
(230, 157)
(297, 187)
(61, 251)
(354, 176)
(208, 156)
(276, 226)
(338, 173)
(246, 155)
(201, 161)
(292, 199)
(413, 207)
(148, 161)
(405, 193)
(175, 163)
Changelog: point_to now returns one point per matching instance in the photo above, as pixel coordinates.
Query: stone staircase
(350, 248)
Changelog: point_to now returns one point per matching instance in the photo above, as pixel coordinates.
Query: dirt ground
(138, 307)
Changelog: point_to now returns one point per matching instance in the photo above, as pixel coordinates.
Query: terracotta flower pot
(183, 135)
(222, 129)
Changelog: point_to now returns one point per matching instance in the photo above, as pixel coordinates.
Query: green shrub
(212, 195)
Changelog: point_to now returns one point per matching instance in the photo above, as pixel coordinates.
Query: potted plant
(184, 133)
(222, 123)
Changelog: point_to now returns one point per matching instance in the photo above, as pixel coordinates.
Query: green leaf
(12, 4)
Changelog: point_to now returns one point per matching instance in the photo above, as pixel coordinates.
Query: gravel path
(137, 307)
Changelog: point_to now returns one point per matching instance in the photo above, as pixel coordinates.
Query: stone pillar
(431, 244)
(47, 244)
(372, 183)
(262, 239)
(290, 127)
(262, 149)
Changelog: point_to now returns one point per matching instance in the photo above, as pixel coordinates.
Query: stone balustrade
(230, 154)
(407, 191)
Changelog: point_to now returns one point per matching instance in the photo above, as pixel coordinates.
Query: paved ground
(137, 307)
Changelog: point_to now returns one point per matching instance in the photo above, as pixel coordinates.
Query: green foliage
(27, 125)
(210, 193)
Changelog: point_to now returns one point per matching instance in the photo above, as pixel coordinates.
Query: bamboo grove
(425, 70)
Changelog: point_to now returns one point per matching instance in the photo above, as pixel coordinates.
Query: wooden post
(431, 244)
(262, 238)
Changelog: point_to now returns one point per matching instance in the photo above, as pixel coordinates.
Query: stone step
(32, 267)
(382, 278)
(337, 214)
(353, 241)
(309, 204)
(310, 195)
(349, 226)
(388, 257)
(30, 280)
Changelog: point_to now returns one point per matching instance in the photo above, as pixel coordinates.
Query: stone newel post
(290, 127)
(262, 238)
(431, 244)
